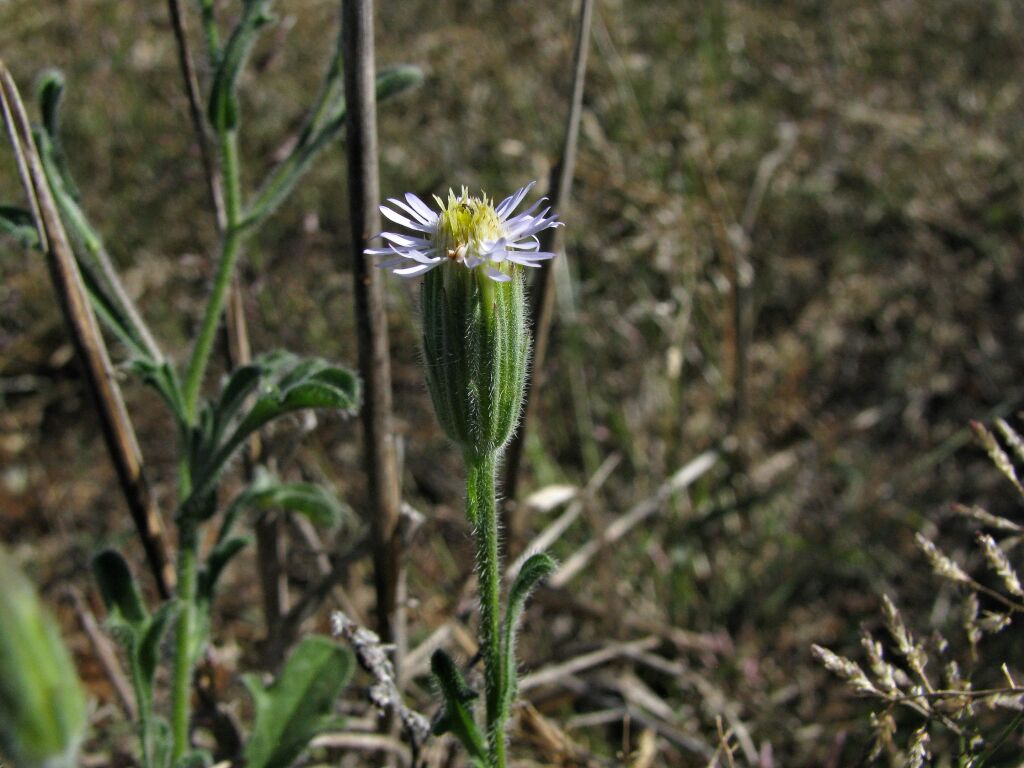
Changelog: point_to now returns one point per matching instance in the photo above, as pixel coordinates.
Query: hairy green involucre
(476, 349)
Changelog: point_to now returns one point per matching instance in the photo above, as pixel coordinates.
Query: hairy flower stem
(481, 508)
(144, 703)
(181, 684)
(230, 250)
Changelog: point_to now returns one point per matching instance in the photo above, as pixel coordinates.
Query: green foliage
(223, 99)
(309, 499)
(118, 588)
(50, 94)
(108, 297)
(299, 704)
(534, 570)
(140, 634)
(42, 706)
(197, 758)
(457, 716)
(275, 385)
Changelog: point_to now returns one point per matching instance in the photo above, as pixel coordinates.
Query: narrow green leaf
(164, 379)
(50, 91)
(222, 554)
(118, 587)
(241, 383)
(298, 705)
(50, 94)
(163, 742)
(223, 112)
(536, 568)
(457, 717)
(395, 80)
(107, 295)
(149, 643)
(310, 499)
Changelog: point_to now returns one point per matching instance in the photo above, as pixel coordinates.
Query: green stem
(144, 703)
(482, 507)
(182, 681)
(230, 250)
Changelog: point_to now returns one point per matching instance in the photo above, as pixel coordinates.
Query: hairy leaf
(457, 716)
(298, 705)
(537, 567)
(223, 111)
(118, 587)
(285, 384)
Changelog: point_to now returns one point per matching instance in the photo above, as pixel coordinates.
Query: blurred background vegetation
(862, 163)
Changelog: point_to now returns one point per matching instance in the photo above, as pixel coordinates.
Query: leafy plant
(298, 705)
(211, 433)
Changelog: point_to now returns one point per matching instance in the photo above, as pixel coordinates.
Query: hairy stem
(182, 680)
(482, 507)
(230, 250)
(144, 705)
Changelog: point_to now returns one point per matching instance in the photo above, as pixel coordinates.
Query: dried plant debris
(927, 676)
(384, 693)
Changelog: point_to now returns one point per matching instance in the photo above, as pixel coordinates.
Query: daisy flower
(465, 231)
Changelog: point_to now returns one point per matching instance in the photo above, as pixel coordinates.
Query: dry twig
(105, 653)
(371, 321)
(373, 657)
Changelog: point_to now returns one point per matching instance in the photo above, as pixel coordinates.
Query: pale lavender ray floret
(467, 231)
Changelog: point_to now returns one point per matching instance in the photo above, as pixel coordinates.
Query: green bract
(476, 349)
(42, 707)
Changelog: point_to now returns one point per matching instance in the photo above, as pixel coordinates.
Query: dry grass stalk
(371, 321)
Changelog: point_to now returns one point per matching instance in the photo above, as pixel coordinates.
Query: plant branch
(230, 250)
(195, 110)
(88, 342)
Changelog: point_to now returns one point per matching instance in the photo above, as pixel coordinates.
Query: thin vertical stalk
(195, 111)
(181, 683)
(118, 432)
(482, 507)
(371, 320)
(232, 242)
(542, 306)
(270, 555)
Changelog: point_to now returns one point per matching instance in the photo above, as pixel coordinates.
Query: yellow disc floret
(464, 224)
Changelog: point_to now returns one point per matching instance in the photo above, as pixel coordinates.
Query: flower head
(466, 231)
